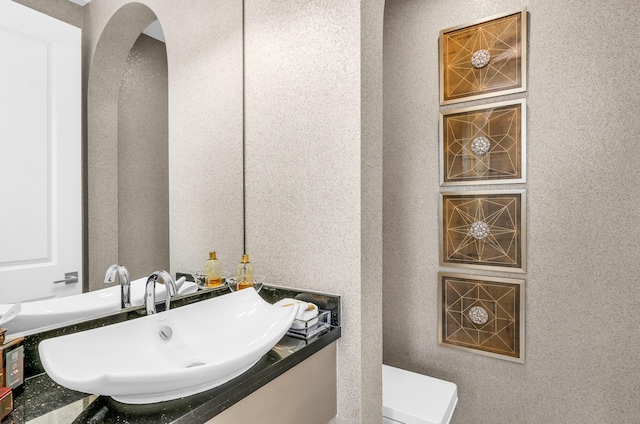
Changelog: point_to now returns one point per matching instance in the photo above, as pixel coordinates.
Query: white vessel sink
(211, 342)
(49, 313)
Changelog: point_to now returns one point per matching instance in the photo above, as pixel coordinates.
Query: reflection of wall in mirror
(143, 161)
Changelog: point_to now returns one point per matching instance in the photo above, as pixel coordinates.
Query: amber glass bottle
(213, 271)
(244, 273)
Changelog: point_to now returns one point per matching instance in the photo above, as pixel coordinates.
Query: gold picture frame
(483, 230)
(483, 144)
(484, 315)
(483, 59)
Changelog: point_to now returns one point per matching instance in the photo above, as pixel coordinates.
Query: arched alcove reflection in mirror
(127, 195)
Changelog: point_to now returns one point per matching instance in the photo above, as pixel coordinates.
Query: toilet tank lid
(412, 398)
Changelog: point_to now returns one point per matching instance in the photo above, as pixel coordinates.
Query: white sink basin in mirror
(49, 313)
(171, 354)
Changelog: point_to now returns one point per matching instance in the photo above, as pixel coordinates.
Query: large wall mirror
(122, 164)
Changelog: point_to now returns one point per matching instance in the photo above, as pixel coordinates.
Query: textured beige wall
(205, 125)
(313, 182)
(371, 150)
(143, 160)
(582, 355)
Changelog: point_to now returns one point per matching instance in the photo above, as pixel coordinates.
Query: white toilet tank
(411, 398)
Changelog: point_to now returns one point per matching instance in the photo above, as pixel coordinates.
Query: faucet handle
(169, 282)
(110, 276)
(115, 269)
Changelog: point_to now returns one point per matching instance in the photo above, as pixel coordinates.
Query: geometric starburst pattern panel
(483, 230)
(482, 314)
(483, 145)
(483, 59)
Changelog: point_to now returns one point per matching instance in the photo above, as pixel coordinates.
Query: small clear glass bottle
(244, 273)
(213, 271)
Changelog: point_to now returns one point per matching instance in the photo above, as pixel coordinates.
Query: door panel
(40, 154)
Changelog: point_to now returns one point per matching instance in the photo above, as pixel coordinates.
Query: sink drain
(166, 332)
(195, 364)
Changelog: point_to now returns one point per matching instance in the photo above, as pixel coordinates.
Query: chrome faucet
(150, 291)
(125, 283)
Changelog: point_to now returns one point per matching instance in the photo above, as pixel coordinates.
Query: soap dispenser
(213, 271)
(244, 273)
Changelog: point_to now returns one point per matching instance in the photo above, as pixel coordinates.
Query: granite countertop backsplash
(44, 401)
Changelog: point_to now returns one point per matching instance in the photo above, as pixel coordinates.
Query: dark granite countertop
(42, 396)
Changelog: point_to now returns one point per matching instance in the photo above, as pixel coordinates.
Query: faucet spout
(150, 290)
(125, 283)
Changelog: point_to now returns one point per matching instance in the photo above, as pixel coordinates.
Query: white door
(40, 155)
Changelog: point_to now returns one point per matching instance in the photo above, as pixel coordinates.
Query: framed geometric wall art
(484, 315)
(483, 230)
(483, 59)
(483, 144)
